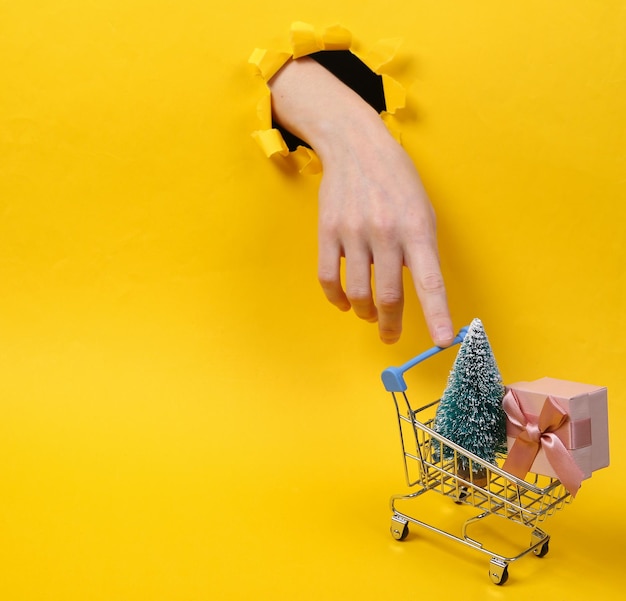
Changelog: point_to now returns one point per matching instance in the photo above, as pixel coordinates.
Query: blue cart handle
(393, 377)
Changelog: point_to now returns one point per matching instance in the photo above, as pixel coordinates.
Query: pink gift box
(586, 431)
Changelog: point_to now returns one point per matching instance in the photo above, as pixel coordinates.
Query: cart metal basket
(429, 466)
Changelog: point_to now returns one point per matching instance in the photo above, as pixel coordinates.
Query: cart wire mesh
(435, 463)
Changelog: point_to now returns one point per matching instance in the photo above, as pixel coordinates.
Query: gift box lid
(574, 397)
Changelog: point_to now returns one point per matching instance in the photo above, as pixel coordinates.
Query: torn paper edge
(305, 40)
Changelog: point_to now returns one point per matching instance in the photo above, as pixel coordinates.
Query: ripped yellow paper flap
(336, 37)
(395, 94)
(304, 41)
(268, 62)
(271, 142)
(306, 161)
(381, 53)
(264, 109)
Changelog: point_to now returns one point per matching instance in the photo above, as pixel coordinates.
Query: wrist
(351, 126)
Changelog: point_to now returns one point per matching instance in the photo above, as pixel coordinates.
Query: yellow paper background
(183, 416)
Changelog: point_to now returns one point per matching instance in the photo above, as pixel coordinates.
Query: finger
(389, 297)
(329, 275)
(359, 283)
(423, 263)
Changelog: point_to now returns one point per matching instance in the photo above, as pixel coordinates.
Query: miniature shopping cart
(433, 462)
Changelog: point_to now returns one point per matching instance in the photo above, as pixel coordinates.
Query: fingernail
(444, 334)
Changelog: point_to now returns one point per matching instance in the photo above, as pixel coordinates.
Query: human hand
(373, 209)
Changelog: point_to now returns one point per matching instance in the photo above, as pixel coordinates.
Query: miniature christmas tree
(470, 412)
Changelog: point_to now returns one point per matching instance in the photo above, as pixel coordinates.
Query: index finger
(423, 262)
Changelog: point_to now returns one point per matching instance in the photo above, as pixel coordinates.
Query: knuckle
(329, 226)
(385, 230)
(359, 295)
(389, 300)
(354, 230)
(327, 278)
(432, 282)
(339, 223)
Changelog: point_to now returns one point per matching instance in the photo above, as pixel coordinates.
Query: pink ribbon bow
(534, 435)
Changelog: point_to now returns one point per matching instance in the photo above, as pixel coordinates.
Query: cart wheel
(541, 539)
(543, 550)
(498, 572)
(399, 531)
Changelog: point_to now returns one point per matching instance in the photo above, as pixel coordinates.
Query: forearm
(313, 104)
